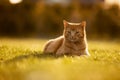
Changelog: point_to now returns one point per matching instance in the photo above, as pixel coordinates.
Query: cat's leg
(60, 52)
(86, 52)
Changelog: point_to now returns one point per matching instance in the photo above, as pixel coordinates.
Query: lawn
(22, 59)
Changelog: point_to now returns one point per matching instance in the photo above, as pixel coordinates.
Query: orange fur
(73, 41)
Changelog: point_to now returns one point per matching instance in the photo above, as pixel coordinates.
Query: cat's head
(74, 32)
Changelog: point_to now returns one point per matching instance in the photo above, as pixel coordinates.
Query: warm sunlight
(15, 1)
(113, 2)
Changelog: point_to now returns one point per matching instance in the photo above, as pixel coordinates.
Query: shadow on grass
(33, 55)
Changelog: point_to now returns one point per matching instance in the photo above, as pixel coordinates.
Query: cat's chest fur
(70, 48)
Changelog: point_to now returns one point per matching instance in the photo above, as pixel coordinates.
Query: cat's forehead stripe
(74, 23)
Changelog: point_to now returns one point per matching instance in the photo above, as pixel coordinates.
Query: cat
(72, 42)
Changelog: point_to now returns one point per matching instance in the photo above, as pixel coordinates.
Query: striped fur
(72, 42)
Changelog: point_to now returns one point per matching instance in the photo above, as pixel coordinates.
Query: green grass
(103, 64)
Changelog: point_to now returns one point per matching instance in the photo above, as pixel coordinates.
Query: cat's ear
(83, 24)
(65, 23)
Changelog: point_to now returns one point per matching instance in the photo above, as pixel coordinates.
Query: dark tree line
(42, 19)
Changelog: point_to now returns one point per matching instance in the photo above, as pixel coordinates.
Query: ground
(22, 59)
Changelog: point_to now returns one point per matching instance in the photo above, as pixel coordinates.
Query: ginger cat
(72, 42)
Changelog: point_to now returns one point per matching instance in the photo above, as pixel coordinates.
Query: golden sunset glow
(113, 2)
(15, 1)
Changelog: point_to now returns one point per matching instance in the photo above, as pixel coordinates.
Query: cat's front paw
(87, 53)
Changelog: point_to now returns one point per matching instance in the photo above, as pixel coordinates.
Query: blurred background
(44, 18)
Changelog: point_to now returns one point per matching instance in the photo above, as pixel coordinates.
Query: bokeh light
(113, 2)
(15, 1)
